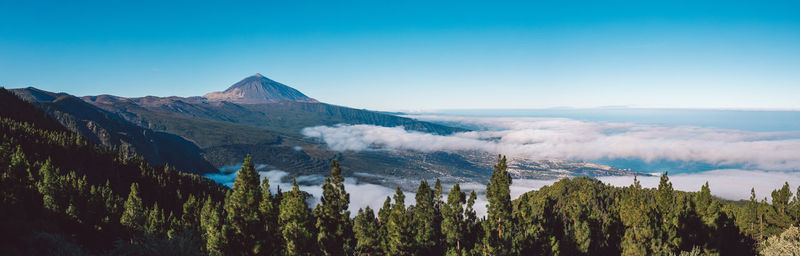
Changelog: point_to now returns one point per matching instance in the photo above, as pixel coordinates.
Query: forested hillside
(104, 128)
(60, 194)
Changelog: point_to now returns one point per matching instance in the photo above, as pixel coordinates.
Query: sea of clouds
(764, 161)
(568, 139)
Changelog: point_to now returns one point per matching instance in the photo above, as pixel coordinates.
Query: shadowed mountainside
(104, 128)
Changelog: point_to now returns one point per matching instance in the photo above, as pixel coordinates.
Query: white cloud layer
(567, 139)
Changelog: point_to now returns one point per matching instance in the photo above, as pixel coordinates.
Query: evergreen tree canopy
(296, 224)
(424, 221)
(399, 229)
(244, 225)
(636, 213)
(497, 240)
(334, 231)
(268, 208)
(365, 227)
(453, 222)
(61, 194)
(669, 211)
(133, 217)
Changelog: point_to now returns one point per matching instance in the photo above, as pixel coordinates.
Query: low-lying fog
(732, 160)
(569, 139)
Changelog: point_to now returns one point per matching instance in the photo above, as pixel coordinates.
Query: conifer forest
(63, 195)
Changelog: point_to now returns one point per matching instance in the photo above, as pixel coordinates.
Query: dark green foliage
(61, 191)
(61, 194)
(157, 225)
(243, 224)
(399, 231)
(270, 240)
(110, 130)
(794, 207)
(365, 228)
(296, 224)
(334, 229)
(453, 223)
(133, 217)
(636, 214)
(424, 219)
(497, 239)
(575, 216)
(781, 197)
(669, 210)
(190, 217)
(383, 221)
(211, 222)
(472, 227)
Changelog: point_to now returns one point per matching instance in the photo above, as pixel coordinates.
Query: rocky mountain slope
(105, 128)
(264, 119)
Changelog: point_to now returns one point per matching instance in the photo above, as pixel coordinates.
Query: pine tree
(334, 230)
(780, 198)
(669, 213)
(295, 223)
(270, 241)
(437, 196)
(710, 212)
(190, 219)
(399, 233)
(18, 193)
(157, 225)
(243, 224)
(424, 221)
(110, 208)
(437, 216)
(472, 227)
(794, 208)
(133, 217)
(635, 214)
(212, 224)
(18, 166)
(50, 186)
(383, 219)
(497, 239)
(365, 228)
(14, 182)
(453, 223)
(751, 215)
(703, 201)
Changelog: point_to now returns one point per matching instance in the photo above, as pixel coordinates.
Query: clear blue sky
(407, 55)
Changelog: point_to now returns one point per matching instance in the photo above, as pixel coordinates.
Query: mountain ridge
(222, 132)
(105, 128)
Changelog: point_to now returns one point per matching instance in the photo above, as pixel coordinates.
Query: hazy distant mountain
(257, 89)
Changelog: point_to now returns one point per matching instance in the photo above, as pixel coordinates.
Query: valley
(264, 118)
